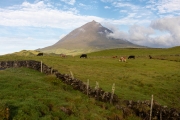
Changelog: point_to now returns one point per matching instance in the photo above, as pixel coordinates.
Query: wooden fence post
(113, 89)
(96, 88)
(151, 108)
(41, 67)
(97, 85)
(15, 64)
(72, 76)
(27, 64)
(87, 87)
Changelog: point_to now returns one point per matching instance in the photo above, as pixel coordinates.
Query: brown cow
(114, 57)
(122, 59)
(63, 55)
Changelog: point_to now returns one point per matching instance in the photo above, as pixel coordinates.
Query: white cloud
(123, 11)
(139, 33)
(15, 44)
(162, 32)
(70, 2)
(107, 0)
(167, 24)
(161, 41)
(171, 7)
(86, 6)
(170, 25)
(120, 4)
(117, 34)
(165, 6)
(82, 5)
(38, 5)
(42, 15)
(107, 7)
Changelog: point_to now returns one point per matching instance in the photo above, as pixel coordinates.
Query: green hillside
(137, 79)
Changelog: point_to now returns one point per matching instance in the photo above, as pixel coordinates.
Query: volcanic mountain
(90, 37)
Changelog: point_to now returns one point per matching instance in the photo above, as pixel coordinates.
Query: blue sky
(33, 24)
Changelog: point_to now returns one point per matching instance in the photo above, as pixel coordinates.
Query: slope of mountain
(25, 53)
(90, 37)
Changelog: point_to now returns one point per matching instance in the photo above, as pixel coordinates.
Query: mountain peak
(93, 21)
(91, 36)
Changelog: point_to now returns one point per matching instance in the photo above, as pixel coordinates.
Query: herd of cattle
(140, 108)
(122, 59)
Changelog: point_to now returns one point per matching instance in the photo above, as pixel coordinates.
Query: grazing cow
(114, 57)
(131, 56)
(83, 56)
(62, 55)
(122, 59)
(40, 54)
(150, 57)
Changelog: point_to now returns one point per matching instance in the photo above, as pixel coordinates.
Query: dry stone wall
(140, 108)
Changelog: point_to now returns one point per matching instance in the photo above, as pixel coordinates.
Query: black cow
(40, 54)
(83, 56)
(131, 56)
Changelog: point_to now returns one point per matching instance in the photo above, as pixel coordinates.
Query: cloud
(167, 6)
(70, 2)
(123, 11)
(147, 36)
(42, 14)
(117, 34)
(167, 24)
(82, 5)
(12, 44)
(85, 6)
(139, 33)
(107, 7)
(162, 32)
(170, 25)
(164, 7)
(107, 0)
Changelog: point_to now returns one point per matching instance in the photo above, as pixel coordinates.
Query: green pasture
(136, 79)
(31, 95)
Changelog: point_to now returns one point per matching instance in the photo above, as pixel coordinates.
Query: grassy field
(31, 95)
(137, 79)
